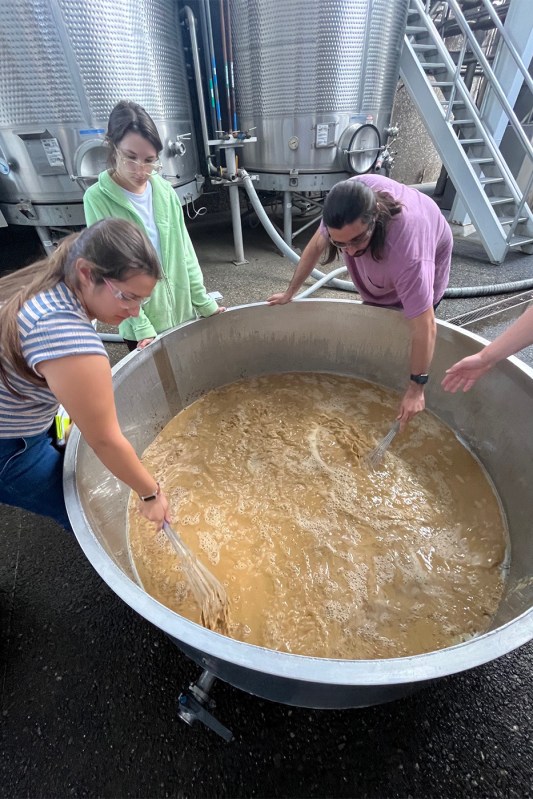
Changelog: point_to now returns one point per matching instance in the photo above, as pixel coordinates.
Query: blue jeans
(31, 476)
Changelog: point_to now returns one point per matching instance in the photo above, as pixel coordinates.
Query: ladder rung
(508, 220)
(413, 29)
(463, 122)
(500, 200)
(467, 142)
(489, 181)
(442, 83)
(485, 160)
(433, 65)
(519, 241)
(424, 47)
(455, 102)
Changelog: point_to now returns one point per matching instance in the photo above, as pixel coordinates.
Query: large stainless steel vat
(316, 80)
(339, 336)
(63, 66)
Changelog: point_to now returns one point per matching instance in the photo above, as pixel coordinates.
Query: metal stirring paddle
(206, 589)
(374, 457)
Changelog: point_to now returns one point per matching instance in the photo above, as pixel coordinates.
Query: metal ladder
(475, 165)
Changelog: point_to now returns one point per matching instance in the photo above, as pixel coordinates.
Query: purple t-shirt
(415, 268)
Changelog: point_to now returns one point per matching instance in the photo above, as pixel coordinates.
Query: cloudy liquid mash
(320, 555)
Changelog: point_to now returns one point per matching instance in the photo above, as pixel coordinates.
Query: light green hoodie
(181, 291)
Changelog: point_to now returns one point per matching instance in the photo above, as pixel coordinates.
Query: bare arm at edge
(308, 260)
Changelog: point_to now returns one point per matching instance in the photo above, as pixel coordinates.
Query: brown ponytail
(115, 248)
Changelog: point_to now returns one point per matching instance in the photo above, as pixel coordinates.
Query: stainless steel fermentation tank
(338, 336)
(63, 66)
(317, 81)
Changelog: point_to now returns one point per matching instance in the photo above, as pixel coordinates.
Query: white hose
(324, 280)
(113, 338)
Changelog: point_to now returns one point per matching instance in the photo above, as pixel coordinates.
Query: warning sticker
(322, 135)
(53, 152)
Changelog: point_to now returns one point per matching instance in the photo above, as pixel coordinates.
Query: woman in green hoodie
(133, 189)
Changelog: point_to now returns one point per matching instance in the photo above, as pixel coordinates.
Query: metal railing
(491, 78)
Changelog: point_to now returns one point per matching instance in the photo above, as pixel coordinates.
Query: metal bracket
(27, 210)
(195, 706)
(365, 150)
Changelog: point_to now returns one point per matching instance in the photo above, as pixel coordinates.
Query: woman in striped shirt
(50, 354)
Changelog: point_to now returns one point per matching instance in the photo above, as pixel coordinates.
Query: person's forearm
(308, 260)
(514, 339)
(423, 335)
(118, 455)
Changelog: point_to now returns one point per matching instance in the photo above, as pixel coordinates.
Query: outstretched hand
(463, 374)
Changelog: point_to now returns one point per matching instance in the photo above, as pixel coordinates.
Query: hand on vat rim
(144, 343)
(281, 298)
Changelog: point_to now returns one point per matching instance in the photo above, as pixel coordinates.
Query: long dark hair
(115, 248)
(353, 200)
(128, 117)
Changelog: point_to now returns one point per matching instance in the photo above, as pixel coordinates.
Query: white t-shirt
(144, 207)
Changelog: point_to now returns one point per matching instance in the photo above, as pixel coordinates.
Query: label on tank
(45, 152)
(53, 152)
(325, 134)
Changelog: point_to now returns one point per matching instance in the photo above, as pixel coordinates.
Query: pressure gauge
(294, 143)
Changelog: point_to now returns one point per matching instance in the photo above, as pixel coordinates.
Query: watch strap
(150, 497)
(420, 379)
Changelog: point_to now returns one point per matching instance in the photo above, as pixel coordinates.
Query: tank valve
(238, 135)
(242, 135)
(391, 131)
(195, 704)
(178, 147)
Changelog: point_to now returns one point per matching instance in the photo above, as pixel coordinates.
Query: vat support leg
(195, 704)
(46, 239)
(287, 217)
(235, 205)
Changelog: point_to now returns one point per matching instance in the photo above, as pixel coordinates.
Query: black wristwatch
(420, 379)
(150, 497)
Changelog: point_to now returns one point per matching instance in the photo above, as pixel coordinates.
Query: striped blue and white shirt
(53, 324)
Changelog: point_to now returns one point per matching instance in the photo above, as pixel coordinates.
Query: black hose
(487, 291)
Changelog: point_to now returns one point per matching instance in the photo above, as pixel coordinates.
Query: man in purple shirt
(397, 247)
